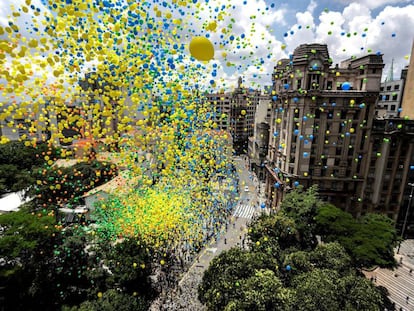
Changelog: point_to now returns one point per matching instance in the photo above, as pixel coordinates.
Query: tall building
(390, 169)
(407, 106)
(259, 142)
(320, 127)
(234, 112)
(390, 98)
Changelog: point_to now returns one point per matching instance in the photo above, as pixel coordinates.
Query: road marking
(244, 211)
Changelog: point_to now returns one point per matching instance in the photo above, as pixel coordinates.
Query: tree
(369, 240)
(57, 186)
(130, 263)
(227, 273)
(262, 291)
(17, 162)
(316, 290)
(358, 293)
(331, 256)
(326, 289)
(14, 179)
(112, 300)
(274, 230)
(302, 207)
(374, 241)
(26, 243)
(332, 222)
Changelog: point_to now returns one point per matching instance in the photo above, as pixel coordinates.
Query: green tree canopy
(60, 185)
(262, 291)
(358, 293)
(369, 240)
(18, 161)
(227, 272)
(112, 300)
(274, 229)
(130, 263)
(316, 290)
(26, 244)
(302, 207)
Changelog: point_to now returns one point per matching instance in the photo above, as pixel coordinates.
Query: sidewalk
(400, 281)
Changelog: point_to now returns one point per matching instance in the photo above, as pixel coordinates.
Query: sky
(271, 30)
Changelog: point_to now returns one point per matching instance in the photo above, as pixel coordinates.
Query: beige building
(408, 98)
(234, 112)
(324, 131)
(259, 142)
(390, 169)
(320, 125)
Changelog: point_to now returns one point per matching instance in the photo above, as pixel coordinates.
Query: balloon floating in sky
(201, 49)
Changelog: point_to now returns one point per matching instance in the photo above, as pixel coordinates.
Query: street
(184, 296)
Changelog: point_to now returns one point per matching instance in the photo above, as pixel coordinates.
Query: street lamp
(406, 214)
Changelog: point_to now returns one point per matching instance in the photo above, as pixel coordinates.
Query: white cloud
(311, 6)
(355, 32)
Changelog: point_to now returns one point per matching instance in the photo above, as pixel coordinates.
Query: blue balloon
(262, 205)
(296, 183)
(288, 268)
(286, 86)
(346, 86)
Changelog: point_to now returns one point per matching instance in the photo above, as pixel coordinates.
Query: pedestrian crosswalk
(244, 211)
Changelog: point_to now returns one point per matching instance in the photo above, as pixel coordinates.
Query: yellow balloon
(201, 49)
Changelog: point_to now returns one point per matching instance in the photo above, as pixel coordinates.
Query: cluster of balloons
(131, 75)
(128, 76)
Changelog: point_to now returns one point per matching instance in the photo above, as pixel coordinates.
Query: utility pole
(406, 214)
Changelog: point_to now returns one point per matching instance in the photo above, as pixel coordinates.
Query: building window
(395, 97)
(389, 88)
(396, 87)
(329, 86)
(381, 88)
(393, 107)
(356, 115)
